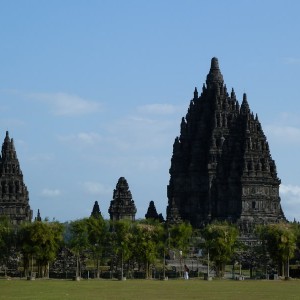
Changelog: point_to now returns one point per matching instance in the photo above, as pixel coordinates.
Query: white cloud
(284, 134)
(290, 200)
(41, 157)
(158, 109)
(149, 163)
(96, 188)
(293, 190)
(64, 104)
(50, 193)
(142, 134)
(87, 138)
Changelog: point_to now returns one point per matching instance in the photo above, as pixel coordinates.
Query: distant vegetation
(124, 248)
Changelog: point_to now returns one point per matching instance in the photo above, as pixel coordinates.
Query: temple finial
(214, 77)
(7, 137)
(245, 106)
(214, 63)
(195, 93)
(38, 217)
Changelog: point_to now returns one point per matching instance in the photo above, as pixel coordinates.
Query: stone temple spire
(96, 211)
(245, 106)
(122, 206)
(14, 199)
(38, 216)
(221, 167)
(151, 212)
(214, 77)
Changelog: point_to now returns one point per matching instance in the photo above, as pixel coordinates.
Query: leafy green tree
(296, 228)
(280, 240)
(147, 243)
(221, 243)
(121, 239)
(40, 240)
(7, 239)
(97, 234)
(78, 241)
(179, 239)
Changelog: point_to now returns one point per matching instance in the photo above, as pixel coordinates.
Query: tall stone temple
(14, 199)
(221, 168)
(122, 206)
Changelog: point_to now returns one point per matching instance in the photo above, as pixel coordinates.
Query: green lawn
(148, 289)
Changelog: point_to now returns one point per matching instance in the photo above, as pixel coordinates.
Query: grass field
(149, 289)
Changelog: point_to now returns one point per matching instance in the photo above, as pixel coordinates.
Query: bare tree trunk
(77, 266)
(98, 268)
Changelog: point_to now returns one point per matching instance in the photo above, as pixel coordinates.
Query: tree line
(145, 243)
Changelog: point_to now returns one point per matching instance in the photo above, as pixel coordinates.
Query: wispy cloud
(288, 134)
(158, 109)
(290, 197)
(292, 60)
(292, 190)
(83, 138)
(150, 163)
(51, 193)
(96, 188)
(41, 157)
(142, 134)
(64, 104)
(12, 122)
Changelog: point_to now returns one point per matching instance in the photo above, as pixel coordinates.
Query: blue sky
(95, 90)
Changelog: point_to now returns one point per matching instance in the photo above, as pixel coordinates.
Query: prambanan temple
(122, 206)
(221, 168)
(14, 199)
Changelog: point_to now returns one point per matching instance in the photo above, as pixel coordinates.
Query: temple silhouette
(14, 198)
(122, 206)
(221, 167)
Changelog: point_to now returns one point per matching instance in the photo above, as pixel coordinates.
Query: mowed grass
(149, 289)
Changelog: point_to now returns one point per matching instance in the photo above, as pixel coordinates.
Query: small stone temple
(221, 167)
(152, 213)
(14, 198)
(96, 213)
(122, 206)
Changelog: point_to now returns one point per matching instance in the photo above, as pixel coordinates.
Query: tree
(121, 239)
(180, 235)
(40, 240)
(147, 243)
(78, 241)
(296, 228)
(97, 233)
(280, 240)
(221, 243)
(7, 238)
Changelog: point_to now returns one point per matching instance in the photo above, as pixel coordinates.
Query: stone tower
(14, 200)
(152, 213)
(96, 213)
(221, 166)
(122, 206)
